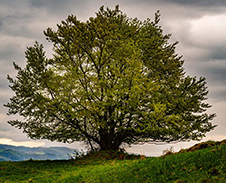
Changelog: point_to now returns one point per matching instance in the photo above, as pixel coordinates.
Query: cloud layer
(199, 26)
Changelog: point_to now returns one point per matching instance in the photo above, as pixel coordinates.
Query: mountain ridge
(21, 153)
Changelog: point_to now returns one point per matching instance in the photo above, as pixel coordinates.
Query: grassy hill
(205, 162)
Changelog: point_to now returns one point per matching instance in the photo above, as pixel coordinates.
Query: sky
(199, 26)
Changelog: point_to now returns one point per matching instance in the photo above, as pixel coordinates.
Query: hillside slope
(201, 165)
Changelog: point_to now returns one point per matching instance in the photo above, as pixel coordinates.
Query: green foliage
(112, 81)
(205, 165)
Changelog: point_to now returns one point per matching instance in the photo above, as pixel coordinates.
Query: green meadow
(204, 162)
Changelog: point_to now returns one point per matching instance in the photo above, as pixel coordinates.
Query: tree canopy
(112, 80)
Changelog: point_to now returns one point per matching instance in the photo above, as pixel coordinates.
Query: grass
(204, 162)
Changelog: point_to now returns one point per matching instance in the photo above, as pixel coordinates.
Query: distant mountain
(19, 153)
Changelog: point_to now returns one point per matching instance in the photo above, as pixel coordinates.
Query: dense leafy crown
(112, 80)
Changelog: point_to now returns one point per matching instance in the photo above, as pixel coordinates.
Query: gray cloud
(219, 53)
(203, 3)
(56, 5)
(61, 8)
(198, 26)
(218, 94)
(216, 75)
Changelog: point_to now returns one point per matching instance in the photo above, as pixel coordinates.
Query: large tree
(112, 80)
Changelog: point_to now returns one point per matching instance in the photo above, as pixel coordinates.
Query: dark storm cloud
(219, 53)
(61, 8)
(58, 4)
(0, 24)
(200, 3)
(217, 74)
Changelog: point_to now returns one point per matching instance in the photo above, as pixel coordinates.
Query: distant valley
(20, 153)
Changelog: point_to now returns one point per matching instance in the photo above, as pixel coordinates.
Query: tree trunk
(111, 146)
(108, 142)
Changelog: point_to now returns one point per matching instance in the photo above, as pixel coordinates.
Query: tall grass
(205, 165)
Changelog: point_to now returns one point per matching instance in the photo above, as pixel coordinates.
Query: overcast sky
(199, 26)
